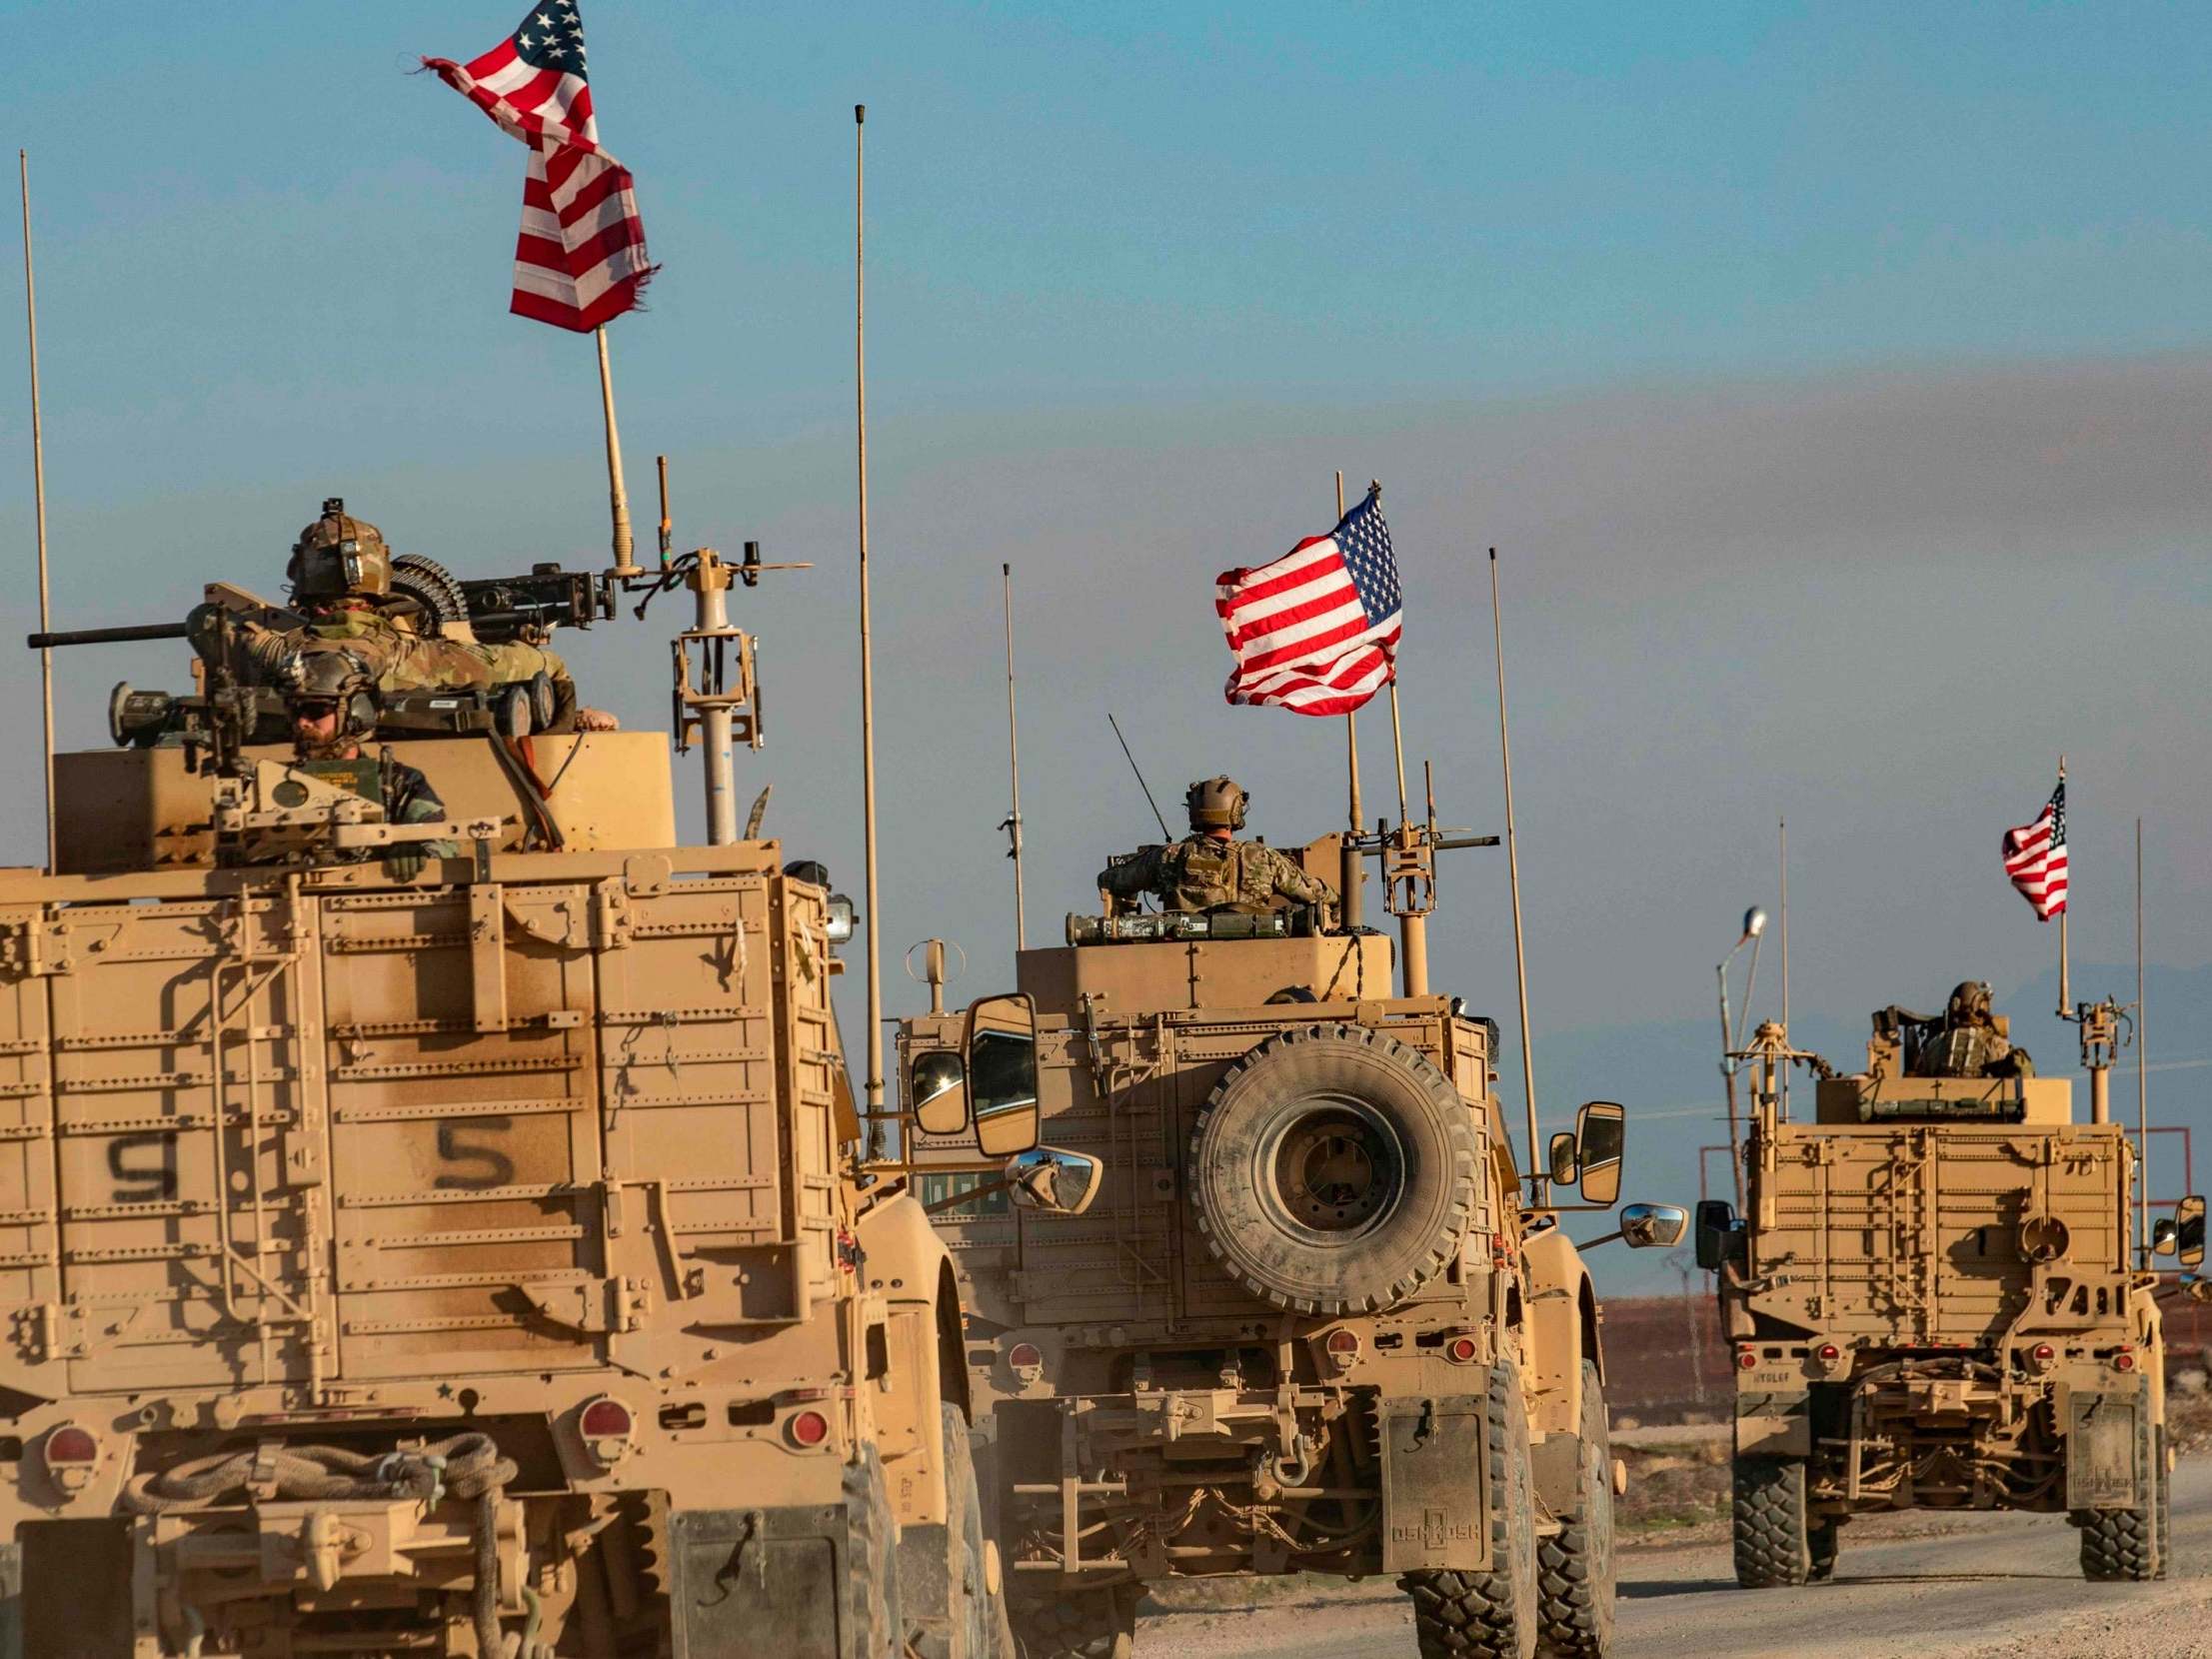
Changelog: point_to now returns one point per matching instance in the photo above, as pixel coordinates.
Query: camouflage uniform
(1205, 873)
(1965, 1042)
(398, 659)
(410, 799)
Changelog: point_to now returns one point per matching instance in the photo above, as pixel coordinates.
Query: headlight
(839, 921)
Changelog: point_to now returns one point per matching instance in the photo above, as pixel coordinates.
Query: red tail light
(1746, 1360)
(1460, 1350)
(1830, 1353)
(71, 1444)
(1025, 1356)
(1343, 1343)
(2123, 1361)
(2043, 1353)
(808, 1428)
(606, 1419)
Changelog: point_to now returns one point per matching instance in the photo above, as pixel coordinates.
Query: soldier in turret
(1963, 1042)
(1209, 869)
(341, 582)
(333, 709)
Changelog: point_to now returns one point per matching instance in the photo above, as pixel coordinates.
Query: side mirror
(2164, 1231)
(937, 1086)
(1562, 1158)
(1653, 1226)
(1002, 1073)
(1716, 1220)
(1600, 1137)
(2189, 1231)
(1051, 1179)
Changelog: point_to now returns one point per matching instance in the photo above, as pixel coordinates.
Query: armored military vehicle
(1933, 1301)
(1277, 1297)
(470, 1263)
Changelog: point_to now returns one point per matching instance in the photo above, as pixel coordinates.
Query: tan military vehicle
(1933, 1301)
(1275, 1299)
(470, 1264)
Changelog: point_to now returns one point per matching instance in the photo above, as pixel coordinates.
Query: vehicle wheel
(1334, 1170)
(1574, 1570)
(1821, 1547)
(1076, 1624)
(948, 1564)
(872, 1559)
(1772, 1546)
(1490, 1615)
(2121, 1545)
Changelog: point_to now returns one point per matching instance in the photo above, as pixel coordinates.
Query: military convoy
(1277, 1297)
(445, 1236)
(1933, 1301)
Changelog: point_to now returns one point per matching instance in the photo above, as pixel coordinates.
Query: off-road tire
(1772, 1545)
(1490, 1615)
(967, 1625)
(1574, 1569)
(872, 1560)
(1391, 1136)
(1821, 1545)
(2120, 1546)
(1076, 1624)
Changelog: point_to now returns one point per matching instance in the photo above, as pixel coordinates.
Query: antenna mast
(38, 496)
(1013, 825)
(874, 1082)
(618, 494)
(1538, 1181)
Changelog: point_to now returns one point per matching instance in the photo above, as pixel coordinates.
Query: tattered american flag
(2035, 857)
(1317, 631)
(581, 257)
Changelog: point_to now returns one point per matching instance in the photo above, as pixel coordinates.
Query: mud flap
(1776, 1423)
(762, 1584)
(2100, 1451)
(1434, 1511)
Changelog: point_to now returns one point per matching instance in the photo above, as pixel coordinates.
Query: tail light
(1746, 1358)
(807, 1429)
(70, 1452)
(1342, 1348)
(605, 1426)
(1026, 1361)
(1460, 1350)
(1829, 1353)
(2042, 1353)
(2123, 1361)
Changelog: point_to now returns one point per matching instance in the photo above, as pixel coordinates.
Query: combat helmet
(340, 556)
(1216, 803)
(334, 679)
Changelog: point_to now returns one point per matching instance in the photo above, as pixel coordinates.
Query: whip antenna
(874, 1082)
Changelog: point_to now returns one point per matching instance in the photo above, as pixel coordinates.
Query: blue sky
(1835, 377)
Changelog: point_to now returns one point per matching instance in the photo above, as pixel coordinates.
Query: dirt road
(2003, 1587)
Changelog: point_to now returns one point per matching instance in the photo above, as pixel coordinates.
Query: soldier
(341, 579)
(331, 709)
(1965, 1042)
(1209, 869)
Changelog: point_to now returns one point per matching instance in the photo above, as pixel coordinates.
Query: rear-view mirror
(2164, 1234)
(1716, 1220)
(2189, 1231)
(937, 1084)
(1002, 1075)
(1653, 1226)
(1600, 1137)
(1562, 1158)
(1053, 1179)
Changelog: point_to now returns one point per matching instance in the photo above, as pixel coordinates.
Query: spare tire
(1332, 1169)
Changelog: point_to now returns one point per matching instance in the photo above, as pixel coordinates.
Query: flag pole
(1397, 732)
(1783, 827)
(1539, 1183)
(873, 1081)
(1351, 872)
(2066, 981)
(38, 497)
(1012, 824)
(618, 494)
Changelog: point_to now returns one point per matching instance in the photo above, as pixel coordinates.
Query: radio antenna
(1013, 825)
(874, 1082)
(38, 496)
(1165, 834)
(1539, 1184)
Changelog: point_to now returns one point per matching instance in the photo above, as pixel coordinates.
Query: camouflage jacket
(1201, 873)
(409, 798)
(400, 660)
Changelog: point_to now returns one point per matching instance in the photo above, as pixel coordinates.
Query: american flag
(581, 257)
(1317, 631)
(2035, 857)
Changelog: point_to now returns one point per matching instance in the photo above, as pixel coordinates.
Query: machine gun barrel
(107, 636)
